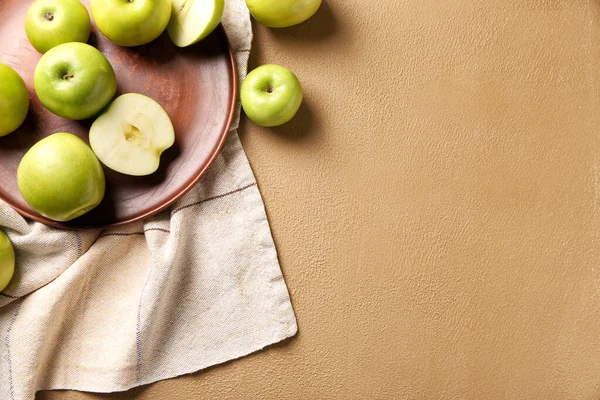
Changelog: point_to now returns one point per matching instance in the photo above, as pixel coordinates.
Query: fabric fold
(196, 285)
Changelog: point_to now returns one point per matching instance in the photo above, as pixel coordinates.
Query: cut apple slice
(193, 20)
(131, 134)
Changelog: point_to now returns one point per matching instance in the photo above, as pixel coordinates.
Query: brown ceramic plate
(196, 86)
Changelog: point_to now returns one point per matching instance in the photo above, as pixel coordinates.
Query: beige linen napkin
(197, 285)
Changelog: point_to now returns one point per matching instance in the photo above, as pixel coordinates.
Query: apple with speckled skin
(61, 178)
(282, 13)
(14, 100)
(131, 22)
(49, 23)
(7, 261)
(271, 95)
(74, 81)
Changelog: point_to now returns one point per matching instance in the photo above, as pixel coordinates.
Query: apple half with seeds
(193, 20)
(130, 136)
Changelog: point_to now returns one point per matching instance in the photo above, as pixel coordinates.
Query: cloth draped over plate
(194, 286)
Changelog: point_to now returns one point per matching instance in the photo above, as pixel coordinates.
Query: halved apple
(193, 20)
(131, 134)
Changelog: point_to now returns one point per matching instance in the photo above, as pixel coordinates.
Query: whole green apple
(271, 95)
(74, 81)
(14, 100)
(131, 22)
(49, 23)
(7, 261)
(60, 177)
(282, 13)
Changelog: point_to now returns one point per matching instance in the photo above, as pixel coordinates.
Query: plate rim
(222, 139)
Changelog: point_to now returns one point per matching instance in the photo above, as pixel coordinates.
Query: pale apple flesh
(7, 261)
(130, 136)
(193, 20)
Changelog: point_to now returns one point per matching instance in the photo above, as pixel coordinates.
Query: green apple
(60, 177)
(271, 95)
(49, 23)
(282, 13)
(131, 22)
(7, 261)
(14, 100)
(74, 81)
(193, 20)
(131, 134)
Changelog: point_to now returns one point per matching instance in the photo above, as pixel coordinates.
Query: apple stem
(49, 16)
(68, 76)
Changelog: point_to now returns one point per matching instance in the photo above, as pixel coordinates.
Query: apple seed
(131, 132)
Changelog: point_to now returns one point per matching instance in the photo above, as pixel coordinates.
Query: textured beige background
(436, 206)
